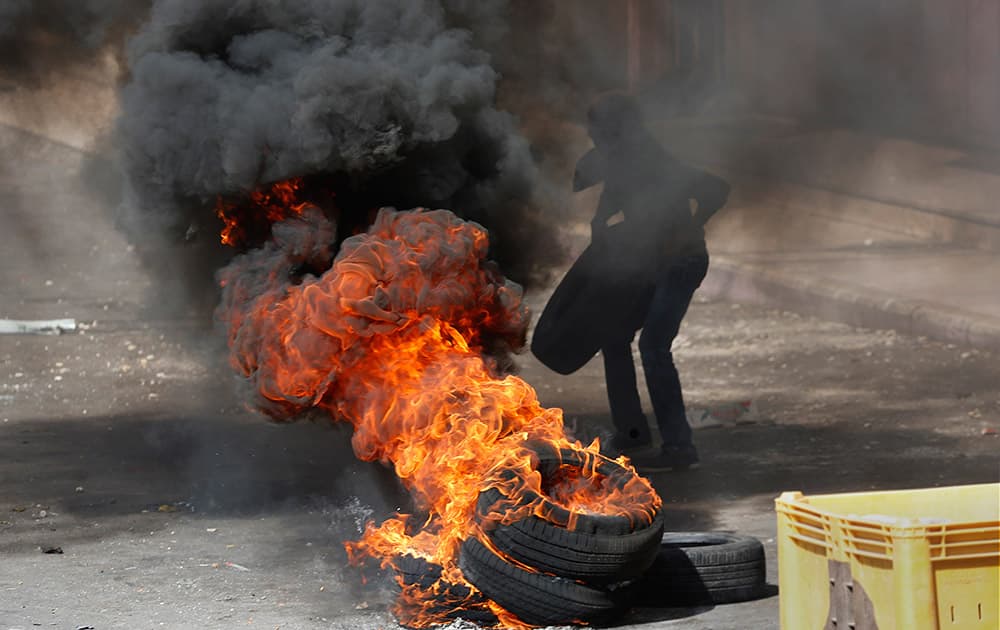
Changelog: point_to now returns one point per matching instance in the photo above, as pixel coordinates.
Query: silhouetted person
(665, 205)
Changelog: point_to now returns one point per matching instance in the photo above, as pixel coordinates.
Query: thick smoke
(38, 37)
(389, 103)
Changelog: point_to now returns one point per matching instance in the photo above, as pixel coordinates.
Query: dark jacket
(653, 190)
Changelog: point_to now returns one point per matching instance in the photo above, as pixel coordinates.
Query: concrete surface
(126, 444)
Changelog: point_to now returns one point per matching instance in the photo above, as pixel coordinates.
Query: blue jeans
(675, 285)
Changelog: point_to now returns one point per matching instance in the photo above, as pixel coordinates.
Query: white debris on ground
(36, 326)
(727, 414)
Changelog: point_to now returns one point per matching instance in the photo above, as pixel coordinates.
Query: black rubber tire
(592, 548)
(604, 293)
(419, 572)
(702, 568)
(535, 598)
(588, 557)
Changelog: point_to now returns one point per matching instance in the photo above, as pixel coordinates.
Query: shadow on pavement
(766, 459)
(232, 466)
(242, 466)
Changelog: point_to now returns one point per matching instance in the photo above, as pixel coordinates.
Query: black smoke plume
(387, 103)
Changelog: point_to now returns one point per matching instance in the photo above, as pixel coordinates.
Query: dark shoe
(633, 438)
(630, 444)
(642, 450)
(669, 458)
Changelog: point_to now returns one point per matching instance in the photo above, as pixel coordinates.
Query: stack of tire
(568, 567)
(581, 567)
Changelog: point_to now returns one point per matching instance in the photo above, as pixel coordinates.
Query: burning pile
(397, 335)
(395, 322)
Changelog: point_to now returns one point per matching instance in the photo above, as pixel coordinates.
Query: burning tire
(535, 598)
(699, 568)
(575, 544)
(453, 600)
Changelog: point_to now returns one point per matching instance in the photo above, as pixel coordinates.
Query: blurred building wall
(922, 68)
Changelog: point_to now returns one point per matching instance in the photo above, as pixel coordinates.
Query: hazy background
(477, 106)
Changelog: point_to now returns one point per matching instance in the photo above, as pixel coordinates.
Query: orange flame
(272, 204)
(392, 339)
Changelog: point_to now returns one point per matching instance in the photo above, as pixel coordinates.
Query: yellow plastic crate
(902, 560)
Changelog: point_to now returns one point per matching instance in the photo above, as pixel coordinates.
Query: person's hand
(712, 194)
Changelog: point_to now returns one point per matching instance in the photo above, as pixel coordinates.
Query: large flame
(399, 338)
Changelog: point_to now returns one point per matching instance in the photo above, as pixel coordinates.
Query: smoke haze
(38, 37)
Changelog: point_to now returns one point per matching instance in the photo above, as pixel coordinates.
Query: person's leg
(670, 303)
(631, 427)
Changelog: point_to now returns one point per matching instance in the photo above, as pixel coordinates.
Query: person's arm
(606, 208)
(590, 171)
(711, 193)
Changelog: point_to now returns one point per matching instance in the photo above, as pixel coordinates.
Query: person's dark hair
(614, 114)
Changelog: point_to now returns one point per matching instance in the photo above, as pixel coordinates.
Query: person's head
(614, 120)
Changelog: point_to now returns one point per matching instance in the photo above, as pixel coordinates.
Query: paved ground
(126, 446)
